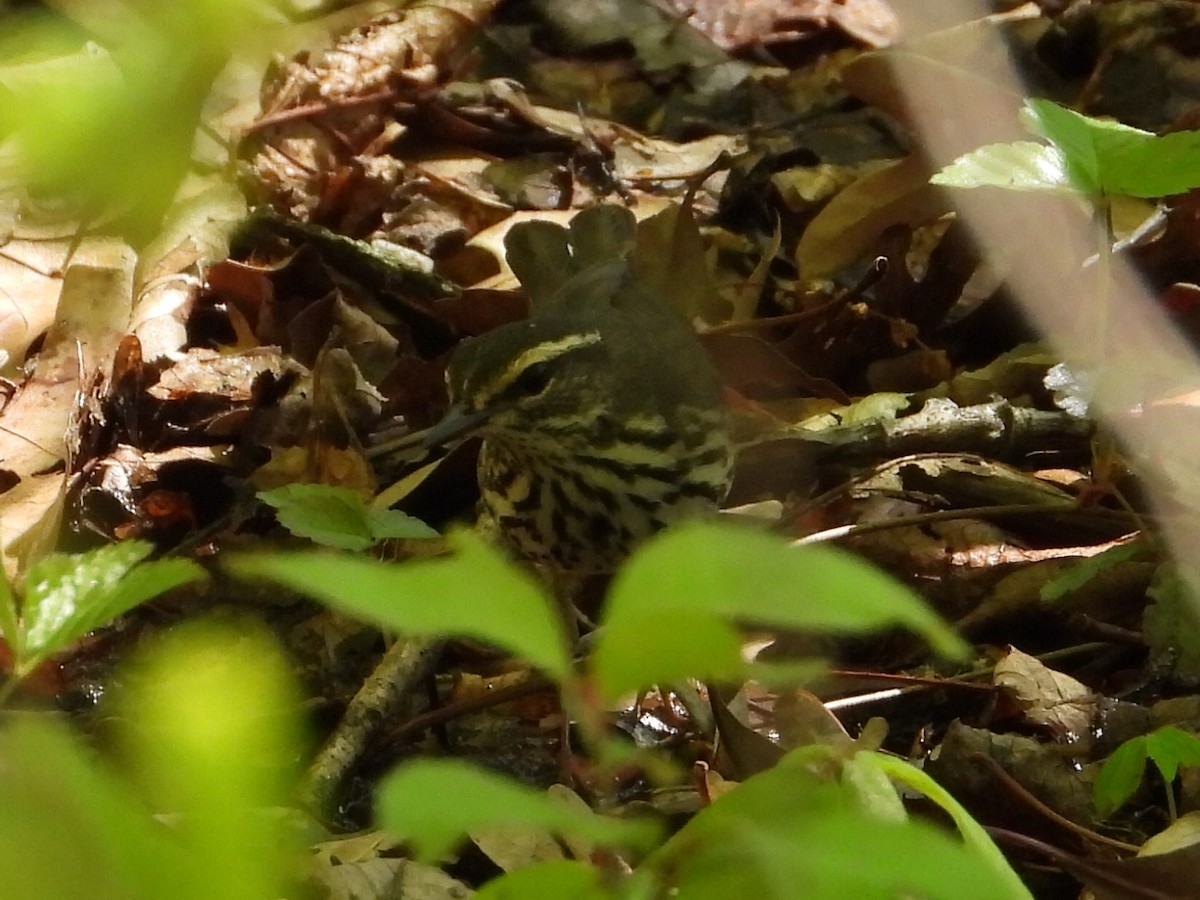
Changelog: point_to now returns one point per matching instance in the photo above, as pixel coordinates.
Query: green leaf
(1080, 573)
(784, 827)
(1170, 747)
(686, 644)
(1120, 776)
(337, 517)
(218, 765)
(975, 838)
(9, 626)
(55, 796)
(333, 516)
(476, 593)
(68, 596)
(414, 804)
(739, 574)
(1106, 157)
(559, 879)
(1019, 166)
(392, 523)
(60, 97)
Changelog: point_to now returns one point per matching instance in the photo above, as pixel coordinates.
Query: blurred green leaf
(475, 593)
(107, 115)
(338, 517)
(784, 827)
(209, 727)
(742, 575)
(70, 829)
(975, 839)
(217, 741)
(10, 628)
(681, 644)
(69, 595)
(433, 804)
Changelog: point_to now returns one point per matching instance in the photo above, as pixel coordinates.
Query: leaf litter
(888, 391)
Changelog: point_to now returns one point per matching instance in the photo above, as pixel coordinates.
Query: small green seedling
(1082, 157)
(1169, 748)
(338, 517)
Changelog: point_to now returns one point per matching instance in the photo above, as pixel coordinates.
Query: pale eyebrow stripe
(543, 352)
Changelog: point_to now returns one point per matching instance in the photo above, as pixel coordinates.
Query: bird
(601, 415)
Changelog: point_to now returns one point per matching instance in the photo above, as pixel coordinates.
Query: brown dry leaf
(514, 847)
(1047, 698)
(366, 866)
(747, 23)
(168, 274)
(92, 317)
(31, 279)
(325, 122)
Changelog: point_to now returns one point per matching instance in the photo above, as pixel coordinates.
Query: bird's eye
(533, 381)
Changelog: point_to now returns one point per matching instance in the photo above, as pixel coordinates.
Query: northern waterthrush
(601, 415)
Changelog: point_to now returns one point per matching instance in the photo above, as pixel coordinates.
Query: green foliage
(1018, 166)
(111, 120)
(1083, 156)
(337, 517)
(1168, 748)
(412, 805)
(67, 596)
(692, 586)
(476, 594)
(73, 827)
(688, 588)
(1169, 623)
(671, 613)
(786, 827)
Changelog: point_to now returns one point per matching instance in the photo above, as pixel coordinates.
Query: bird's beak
(458, 421)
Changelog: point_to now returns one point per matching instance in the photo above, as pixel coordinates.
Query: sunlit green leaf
(1107, 157)
(70, 595)
(635, 651)
(219, 765)
(744, 575)
(414, 804)
(111, 120)
(475, 593)
(1019, 166)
